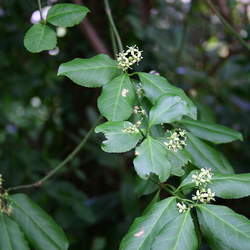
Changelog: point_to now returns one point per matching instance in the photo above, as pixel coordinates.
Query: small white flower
(124, 92)
(182, 207)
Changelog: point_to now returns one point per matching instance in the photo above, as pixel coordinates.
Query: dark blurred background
(43, 117)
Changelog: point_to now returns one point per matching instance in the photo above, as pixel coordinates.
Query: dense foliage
(144, 111)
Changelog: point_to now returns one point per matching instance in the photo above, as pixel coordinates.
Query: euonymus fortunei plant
(158, 121)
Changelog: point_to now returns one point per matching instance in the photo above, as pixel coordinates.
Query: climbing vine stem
(112, 24)
(62, 164)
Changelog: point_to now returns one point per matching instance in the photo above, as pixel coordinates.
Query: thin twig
(112, 24)
(60, 165)
(40, 8)
(92, 34)
(227, 25)
(114, 45)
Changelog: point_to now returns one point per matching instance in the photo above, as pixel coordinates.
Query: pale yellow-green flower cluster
(129, 57)
(201, 179)
(5, 207)
(132, 129)
(204, 195)
(177, 140)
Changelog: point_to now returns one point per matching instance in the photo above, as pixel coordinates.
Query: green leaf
(117, 99)
(167, 109)
(227, 186)
(41, 230)
(40, 37)
(211, 132)
(117, 140)
(145, 228)
(223, 228)
(144, 187)
(155, 86)
(66, 14)
(92, 72)
(204, 156)
(178, 234)
(11, 237)
(151, 158)
(177, 161)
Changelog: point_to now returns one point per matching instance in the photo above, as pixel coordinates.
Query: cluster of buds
(203, 178)
(129, 57)
(182, 207)
(133, 128)
(139, 110)
(5, 207)
(204, 195)
(176, 140)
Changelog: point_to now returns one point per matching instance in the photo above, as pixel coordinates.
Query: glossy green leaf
(66, 14)
(40, 229)
(92, 72)
(227, 186)
(151, 158)
(11, 237)
(177, 161)
(178, 234)
(204, 156)
(40, 37)
(155, 86)
(211, 132)
(117, 99)
(145, 228)
(144, 187)
(167, 109)
(117, 140)
(223, 228)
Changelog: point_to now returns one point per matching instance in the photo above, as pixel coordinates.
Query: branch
(227, 25)
(88, 29)
(112, 24)
(60, 165)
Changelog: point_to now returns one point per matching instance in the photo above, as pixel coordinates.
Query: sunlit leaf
(117, 99)
(155, 86)
(151, 158)
(66, 14)
(167, 109)
(92, 72)
(40, 37)
(117, 140)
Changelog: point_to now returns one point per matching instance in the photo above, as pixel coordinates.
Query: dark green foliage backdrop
(43, 117)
